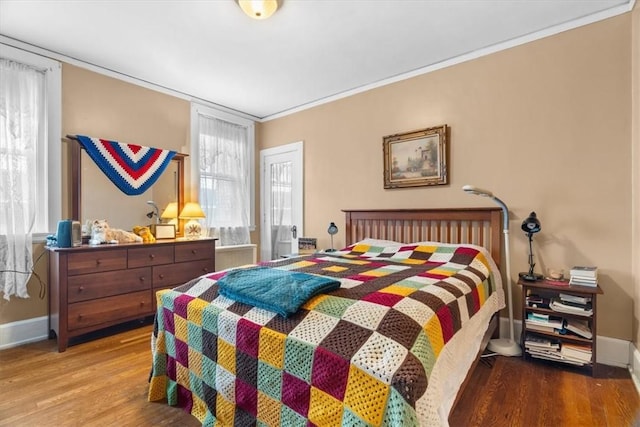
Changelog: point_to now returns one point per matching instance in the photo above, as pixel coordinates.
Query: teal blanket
(272, 289)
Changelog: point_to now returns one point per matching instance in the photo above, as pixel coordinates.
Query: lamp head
(471, 189)
(333, 228)
(531, 224)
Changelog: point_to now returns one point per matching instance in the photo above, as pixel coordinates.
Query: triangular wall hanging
(132, 168)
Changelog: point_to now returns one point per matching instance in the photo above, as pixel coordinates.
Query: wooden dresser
(93, 287)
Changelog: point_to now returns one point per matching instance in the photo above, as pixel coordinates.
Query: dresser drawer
(98, 285)
(166, 276)
(104, 310)
(96, 261)
(147, 256)
(194, 250)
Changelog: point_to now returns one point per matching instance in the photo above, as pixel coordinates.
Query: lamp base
(534, 277)
(192, 229)
(504, 347)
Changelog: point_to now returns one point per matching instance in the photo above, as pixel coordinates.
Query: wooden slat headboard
(478, 226)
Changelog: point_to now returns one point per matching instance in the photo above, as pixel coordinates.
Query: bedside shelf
(545, 291)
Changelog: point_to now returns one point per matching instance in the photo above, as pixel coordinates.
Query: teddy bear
(145, 233)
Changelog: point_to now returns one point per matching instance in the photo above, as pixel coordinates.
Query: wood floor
(104, 383)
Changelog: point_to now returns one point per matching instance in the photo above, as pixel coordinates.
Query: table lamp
(530, 226)
(333, 229)
(170, 213)
(193, 212)
(502, 346)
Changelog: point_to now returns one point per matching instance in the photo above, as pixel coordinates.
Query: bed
(418, 297)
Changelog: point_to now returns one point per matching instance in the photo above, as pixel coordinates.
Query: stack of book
(544, 323)
(536, 301)
(579, 327)
(542, 348)
(584, 276)
(572, 304)
(576, 353)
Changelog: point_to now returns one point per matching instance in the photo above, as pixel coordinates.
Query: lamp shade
(258, 9)
(192, 210)
(171, 211)
(531, 224)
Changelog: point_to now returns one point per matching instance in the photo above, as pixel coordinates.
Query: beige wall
(546, 126)
(635, 259)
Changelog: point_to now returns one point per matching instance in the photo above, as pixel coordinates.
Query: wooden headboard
(478, 226)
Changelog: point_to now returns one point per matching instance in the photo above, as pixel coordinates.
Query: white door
(281, 188)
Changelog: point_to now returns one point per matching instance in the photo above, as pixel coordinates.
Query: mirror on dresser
(94, 196)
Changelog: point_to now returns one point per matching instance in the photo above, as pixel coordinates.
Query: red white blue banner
(132, 168)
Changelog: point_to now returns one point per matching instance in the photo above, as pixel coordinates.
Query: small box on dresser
(574, 305)
(94, 287)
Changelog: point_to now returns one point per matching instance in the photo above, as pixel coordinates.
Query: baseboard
(23, 331)
(611, 351)
(634, 367)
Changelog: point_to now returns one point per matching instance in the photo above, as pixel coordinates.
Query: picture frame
(164, 231)
(417, 158)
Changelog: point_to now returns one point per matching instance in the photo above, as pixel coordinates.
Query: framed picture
(164, 231)
(417, 158)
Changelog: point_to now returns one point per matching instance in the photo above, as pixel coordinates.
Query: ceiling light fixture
(258, 9)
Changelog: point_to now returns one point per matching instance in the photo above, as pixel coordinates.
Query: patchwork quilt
(391, 346)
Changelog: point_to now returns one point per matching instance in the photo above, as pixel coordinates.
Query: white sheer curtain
(280, 209)
(22, 124)
(224, 180)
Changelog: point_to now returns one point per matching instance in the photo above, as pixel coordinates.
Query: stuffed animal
(145, 233)
(102, 233)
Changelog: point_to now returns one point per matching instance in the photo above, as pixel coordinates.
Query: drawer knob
(141, 303)
(193, 251)
(142, 278)
(98, 261)
(152, 256)
(161, 276)
(81, 288)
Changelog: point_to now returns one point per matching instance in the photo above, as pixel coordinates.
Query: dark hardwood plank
(104, 382)
(515, 392)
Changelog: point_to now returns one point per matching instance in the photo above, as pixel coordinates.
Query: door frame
(297, 195)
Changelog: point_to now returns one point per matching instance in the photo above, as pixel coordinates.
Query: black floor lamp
(502, 346)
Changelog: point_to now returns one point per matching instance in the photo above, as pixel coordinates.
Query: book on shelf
(576, 352)
(574, 298)
(538, 327)
(307, 245)
(555, 282)
(579, 327)
(559, 306)
(584, 271)
(560, 359)
(545, 320)
(581, 281)
(536, 301)
(535, 341)
(586, 306)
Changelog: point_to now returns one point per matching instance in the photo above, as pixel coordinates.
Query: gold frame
(413, 172)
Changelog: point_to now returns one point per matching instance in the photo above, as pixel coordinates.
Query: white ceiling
(310, 51)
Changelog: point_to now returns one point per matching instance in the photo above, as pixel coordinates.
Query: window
(30, 154)
(43, 204)
(223, 172)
